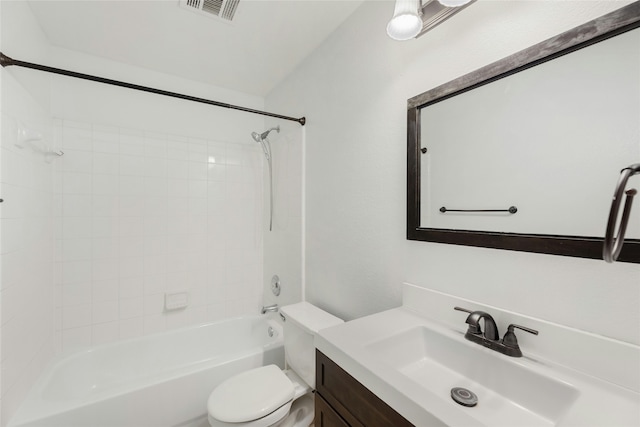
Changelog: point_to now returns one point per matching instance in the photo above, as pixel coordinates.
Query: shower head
(259, 137)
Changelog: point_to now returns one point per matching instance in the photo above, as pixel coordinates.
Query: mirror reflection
(550, 140)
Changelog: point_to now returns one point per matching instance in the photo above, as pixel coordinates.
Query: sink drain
(464, 397)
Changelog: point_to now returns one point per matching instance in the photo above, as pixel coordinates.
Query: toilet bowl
(268, 396)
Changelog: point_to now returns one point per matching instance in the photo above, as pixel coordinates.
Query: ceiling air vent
(224, 9)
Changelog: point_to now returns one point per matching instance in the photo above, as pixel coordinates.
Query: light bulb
(406, 22)
(453, 3)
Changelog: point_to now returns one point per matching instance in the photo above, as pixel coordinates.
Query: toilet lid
(250, 395)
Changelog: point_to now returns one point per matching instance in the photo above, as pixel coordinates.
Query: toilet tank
(302, 322)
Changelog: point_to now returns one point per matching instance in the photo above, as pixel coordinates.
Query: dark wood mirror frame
(607, 26)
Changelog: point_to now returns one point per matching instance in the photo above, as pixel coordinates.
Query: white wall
(26, 247)
(353, 90)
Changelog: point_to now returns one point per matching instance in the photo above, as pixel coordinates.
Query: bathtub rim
(35, 407)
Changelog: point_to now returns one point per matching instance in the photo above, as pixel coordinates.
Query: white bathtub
(156, 381)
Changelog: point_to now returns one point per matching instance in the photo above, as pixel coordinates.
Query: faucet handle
(466, 310)
(524, 328)
(511, 341)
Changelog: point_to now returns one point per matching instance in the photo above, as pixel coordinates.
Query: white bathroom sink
(508, 393)
(412, 362)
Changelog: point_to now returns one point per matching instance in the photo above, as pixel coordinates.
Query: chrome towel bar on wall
(511, 210)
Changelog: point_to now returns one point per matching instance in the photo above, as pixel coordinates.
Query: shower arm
(613, 246)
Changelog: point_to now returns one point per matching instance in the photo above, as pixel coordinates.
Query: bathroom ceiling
(265, 41)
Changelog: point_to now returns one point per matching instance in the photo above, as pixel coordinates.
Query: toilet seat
(255, 398)
(267, 421)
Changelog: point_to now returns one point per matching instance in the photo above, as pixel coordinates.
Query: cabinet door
(326, 416)
(356, 404)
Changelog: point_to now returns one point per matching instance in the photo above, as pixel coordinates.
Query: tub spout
(273, 308)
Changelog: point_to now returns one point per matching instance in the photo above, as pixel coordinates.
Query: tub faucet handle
(273, 308)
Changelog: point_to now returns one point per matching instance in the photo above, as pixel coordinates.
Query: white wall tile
(106, 163)
(132, 185)
(75, 161)
(74, 272)
(131, 287)
(105, 269)
(131, 328)
(103, 333)
(106, 185)
(106, 143)
(198, 189)
(155, 167)
(76, 338)
(76, 138)
(76, 316)
(105, 226)
(156, 244)
(74, 294)
(135, 151)
(131, 267)
(77, 205)
(154, 323)
(198, 170)
(177, 168)
(131, 205)
(132, 165)
(105, 247)
(155, 284)
(75, 249)
(76, 227)
(106, 311)
(131, 137)
(131, 308)
(105, 290)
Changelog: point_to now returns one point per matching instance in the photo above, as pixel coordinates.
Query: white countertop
(598, 403)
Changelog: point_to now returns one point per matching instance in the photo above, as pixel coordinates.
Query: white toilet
(268, 396)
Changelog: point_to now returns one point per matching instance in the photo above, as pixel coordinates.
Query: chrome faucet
(490, 338)
(490, 328)
(273, 307)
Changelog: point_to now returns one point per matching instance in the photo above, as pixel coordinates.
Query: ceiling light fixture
(453, 3)
(406, 22)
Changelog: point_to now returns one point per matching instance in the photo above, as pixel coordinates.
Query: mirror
(532, 144)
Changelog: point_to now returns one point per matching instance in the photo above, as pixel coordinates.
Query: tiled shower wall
(138, 214)
(26, 246)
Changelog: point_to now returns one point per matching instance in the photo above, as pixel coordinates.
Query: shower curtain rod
(6, 61)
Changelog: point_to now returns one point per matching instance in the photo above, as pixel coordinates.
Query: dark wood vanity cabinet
(341, 401)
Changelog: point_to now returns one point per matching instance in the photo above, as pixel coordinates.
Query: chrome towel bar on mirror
(511, 210)
(612, 246)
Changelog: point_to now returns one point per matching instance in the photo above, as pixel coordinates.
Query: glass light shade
(406, 22)
(453, 3)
